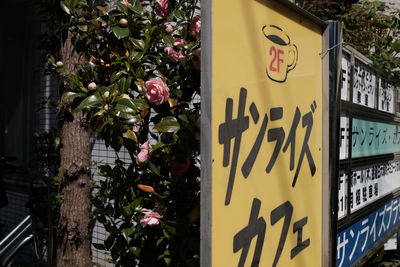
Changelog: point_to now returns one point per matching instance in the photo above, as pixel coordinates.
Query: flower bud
(106, 107)
(123, 22)
(92, 86)
(106, 94)
(59, 64)
(126, 96)
(168, 28)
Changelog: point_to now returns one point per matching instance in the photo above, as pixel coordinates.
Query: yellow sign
(267, 136)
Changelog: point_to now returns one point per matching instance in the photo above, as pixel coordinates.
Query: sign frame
(353, 111)
(327, 238)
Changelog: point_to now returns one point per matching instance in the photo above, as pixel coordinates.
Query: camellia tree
(130, 71)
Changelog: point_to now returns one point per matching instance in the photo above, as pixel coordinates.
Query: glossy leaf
(88, 101)
(120, 32)
(169, 40)
(65, 8)
(126, 232)
(167, 125)
(71, 95)
(129, 134)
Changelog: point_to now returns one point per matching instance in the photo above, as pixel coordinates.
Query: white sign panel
(386, 96)
(364, 86)
(372, 183)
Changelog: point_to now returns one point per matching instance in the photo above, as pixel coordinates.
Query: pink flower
(162, 8)
(144, 154)
(157, 91)
(168, 28)
(150, 218)
(175, 56)
(126, 3)
(169, 50)
(178, 42)
(195, 27)
(136, 130)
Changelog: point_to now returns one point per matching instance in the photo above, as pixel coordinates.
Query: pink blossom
(126, 3)
(162, 8)
(144, 154)
(150, 218)
(157, 91)
(168, 28)
(169, 50)
(195, 27)
(135, 130)
(175, 56)
(178, 42)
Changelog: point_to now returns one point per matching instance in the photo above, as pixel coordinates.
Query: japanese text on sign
(267, 136)
(374, 138)
(357, 239)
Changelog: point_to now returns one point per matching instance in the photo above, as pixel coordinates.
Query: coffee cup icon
(281, 55)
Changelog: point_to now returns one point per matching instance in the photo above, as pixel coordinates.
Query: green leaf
(167, 261)
(108, 260)
(69, 95)
(124, 109)
(127, 103)
(129, 134)
(170, 227)
(167, 125)
(158, 145)
(154, 168)
(140, 103)
(124, 84)
(90, 65)
(88, 101)
(135, 251)
(105, 9)
(128, 117)
(126, 232)
(120, 32)
(141, 86)
(159, 241)
(169, 40)
(115, 76)
(139, 44)
(180, 14)
(65, 8)
(137, 8)
(396, 45)
(82, 27)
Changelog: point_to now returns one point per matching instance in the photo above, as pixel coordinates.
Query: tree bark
(73, 233)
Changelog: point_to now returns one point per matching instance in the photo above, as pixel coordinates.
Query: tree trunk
(73, 233)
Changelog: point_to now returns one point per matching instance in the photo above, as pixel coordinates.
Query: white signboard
(369, 184)
(364, 86)
(386, 96)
